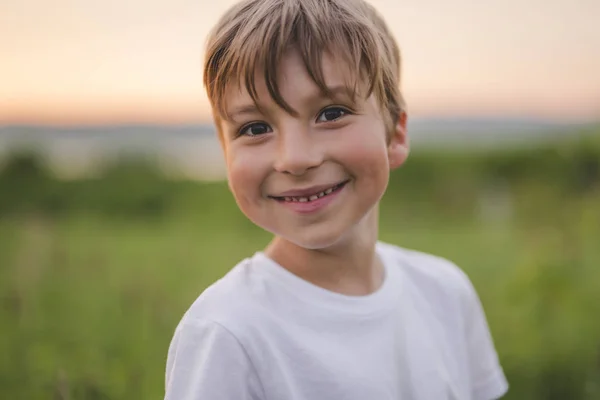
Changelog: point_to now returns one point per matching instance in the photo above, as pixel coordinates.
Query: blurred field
(94, 275)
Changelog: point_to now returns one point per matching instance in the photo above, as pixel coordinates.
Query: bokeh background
(114, 212)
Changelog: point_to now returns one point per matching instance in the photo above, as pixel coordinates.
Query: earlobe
(398, 147)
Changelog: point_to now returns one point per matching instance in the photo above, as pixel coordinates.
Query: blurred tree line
(453, 181)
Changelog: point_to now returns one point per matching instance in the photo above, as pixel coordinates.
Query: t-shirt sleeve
(488, 381)
(207, 362)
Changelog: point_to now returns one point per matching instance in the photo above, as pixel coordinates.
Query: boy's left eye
(332, 114)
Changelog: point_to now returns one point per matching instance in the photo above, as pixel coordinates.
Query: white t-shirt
(262, 333)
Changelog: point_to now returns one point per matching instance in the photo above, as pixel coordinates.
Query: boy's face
(309, 178)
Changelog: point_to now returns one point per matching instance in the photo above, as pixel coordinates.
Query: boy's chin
(313, 240)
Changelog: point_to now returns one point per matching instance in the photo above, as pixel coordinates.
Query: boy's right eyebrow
(246, 109)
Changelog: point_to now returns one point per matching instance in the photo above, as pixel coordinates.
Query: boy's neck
(350, 267)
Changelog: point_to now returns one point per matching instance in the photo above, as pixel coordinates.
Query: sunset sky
(106, 61)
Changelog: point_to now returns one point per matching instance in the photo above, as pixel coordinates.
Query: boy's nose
(297, 153)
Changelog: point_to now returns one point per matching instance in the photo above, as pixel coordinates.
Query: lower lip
(309, 207)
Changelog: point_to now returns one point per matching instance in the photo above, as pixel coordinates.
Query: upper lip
(309, 191)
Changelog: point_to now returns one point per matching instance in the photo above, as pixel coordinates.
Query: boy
(306, 101)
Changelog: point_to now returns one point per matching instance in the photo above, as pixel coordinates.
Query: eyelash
(344, 110)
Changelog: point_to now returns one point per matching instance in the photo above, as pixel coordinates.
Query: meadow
(95, 274)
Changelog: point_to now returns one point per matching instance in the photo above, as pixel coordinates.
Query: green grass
(88, 304)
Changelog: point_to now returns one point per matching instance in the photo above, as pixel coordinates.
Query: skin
(330, 140)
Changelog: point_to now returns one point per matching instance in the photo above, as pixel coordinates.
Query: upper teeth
(309, 198)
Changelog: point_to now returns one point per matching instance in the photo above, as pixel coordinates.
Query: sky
(113, 61)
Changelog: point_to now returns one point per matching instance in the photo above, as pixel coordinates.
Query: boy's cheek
(359, 150)
(246, 174)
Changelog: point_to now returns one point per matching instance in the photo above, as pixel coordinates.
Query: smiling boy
(306, 100)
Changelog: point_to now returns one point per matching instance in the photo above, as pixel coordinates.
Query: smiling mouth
(313, 197)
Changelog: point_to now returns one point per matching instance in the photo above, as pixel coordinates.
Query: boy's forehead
(294, 80)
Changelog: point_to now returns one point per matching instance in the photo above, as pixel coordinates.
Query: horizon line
(94, 122)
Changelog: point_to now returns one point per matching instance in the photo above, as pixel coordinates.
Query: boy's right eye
(255, 129)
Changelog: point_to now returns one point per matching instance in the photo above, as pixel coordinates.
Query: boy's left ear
(398, 146)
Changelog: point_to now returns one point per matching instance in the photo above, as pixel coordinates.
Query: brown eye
(332, 114)
(255, 129)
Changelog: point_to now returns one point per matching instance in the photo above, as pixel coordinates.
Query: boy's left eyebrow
(338, 92)
(333, 93)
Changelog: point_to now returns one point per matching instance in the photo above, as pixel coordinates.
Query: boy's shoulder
(225, 300)
(433, 276)
(425, 266)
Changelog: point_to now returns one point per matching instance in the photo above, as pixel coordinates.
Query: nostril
(298, 164)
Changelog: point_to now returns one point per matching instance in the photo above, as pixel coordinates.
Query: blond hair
(253, 36)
